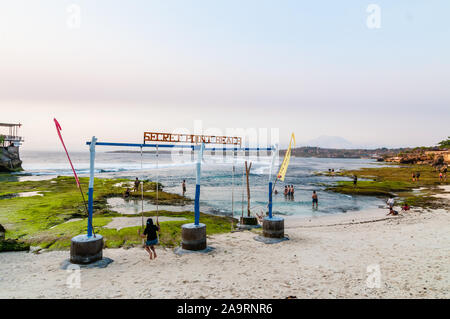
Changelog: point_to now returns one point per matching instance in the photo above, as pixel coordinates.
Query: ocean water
(218, 180)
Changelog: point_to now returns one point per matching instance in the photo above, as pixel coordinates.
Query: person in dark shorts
(286, 191)
(152, 237)
(392, 212)
(417, 176)
(183, 186)
(355, 180)
(136, 184)
(315, 200)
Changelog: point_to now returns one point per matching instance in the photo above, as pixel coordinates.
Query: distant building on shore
(9, 147)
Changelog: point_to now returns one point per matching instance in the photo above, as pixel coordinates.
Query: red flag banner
(58, 129)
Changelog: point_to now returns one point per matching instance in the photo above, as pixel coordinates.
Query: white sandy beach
(326, 257)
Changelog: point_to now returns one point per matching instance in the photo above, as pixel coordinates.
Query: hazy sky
(309, 67)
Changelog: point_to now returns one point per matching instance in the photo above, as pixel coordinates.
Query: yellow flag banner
(287, 158)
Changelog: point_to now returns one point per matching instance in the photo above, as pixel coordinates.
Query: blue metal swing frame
(199, 147)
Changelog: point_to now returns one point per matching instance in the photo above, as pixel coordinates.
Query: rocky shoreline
(433, 158)
(10, 159)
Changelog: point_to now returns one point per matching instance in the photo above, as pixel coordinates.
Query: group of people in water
(288, 192)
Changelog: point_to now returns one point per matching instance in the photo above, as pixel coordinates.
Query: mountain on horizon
(326, 141)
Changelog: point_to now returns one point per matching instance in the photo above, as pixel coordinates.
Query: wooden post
(247, 172)
(247, 222)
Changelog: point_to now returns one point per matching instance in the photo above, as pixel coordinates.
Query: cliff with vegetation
(9, 159)
(438, 156)
(425, 157)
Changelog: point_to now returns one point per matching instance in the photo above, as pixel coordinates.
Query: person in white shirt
(390, 202)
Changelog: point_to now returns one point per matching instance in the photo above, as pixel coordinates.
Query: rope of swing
(243, 189)
(142, 194)
(157, 188)
(157, 183)
(232, 192)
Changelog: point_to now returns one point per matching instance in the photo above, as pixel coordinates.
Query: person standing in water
(152, 237)
(183, 187)
(413, 177)
(286, 191)
(355, 180)
(136, 184)
(315, 200)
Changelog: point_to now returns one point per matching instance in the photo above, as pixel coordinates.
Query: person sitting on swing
(152, 237)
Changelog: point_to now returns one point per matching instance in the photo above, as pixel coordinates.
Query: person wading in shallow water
(136, 184)
(315, 200)
(152, 237)
(183, 187)
(355, 180)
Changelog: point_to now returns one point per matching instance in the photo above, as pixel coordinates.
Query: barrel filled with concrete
(273, 227)
(86, 250)
(193, 237)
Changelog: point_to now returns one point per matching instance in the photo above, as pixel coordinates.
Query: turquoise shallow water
(217, 179)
